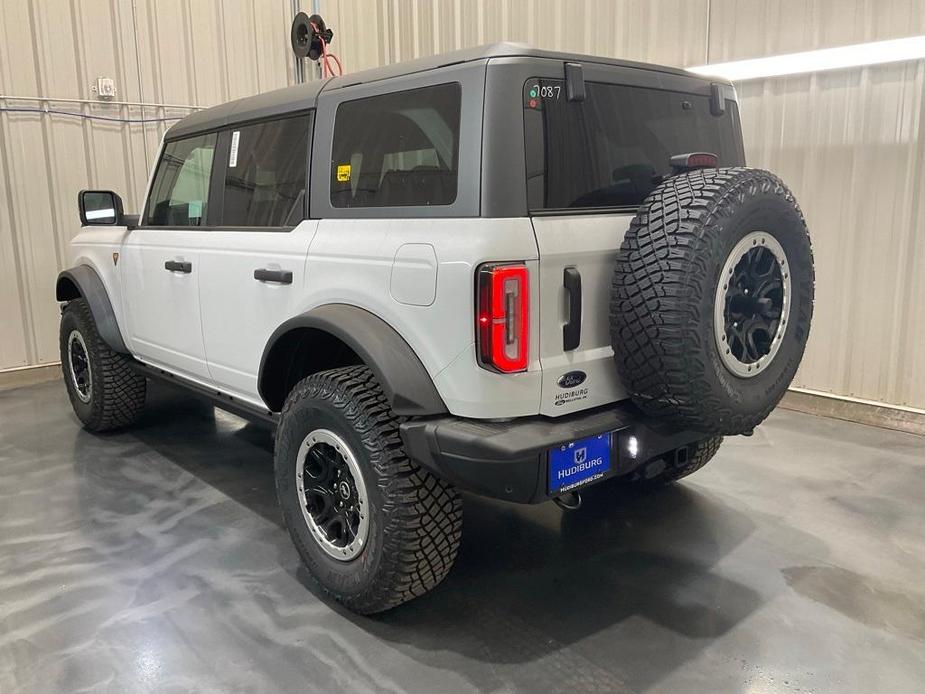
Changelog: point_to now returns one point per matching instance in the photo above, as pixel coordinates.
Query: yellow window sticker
(343, 172)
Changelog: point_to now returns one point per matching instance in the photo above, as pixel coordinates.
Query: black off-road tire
(674, 465)
(415, 519)
(117, 392)
(664, 290)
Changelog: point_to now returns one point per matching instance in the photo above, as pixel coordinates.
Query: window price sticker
(233, 154)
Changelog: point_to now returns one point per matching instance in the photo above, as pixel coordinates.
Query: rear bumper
(508, 460)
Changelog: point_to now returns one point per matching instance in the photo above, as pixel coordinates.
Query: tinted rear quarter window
(612, 149)
(265, 179)
(398, 149)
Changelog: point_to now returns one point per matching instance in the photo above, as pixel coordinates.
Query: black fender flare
(83, 281)
(406, 383)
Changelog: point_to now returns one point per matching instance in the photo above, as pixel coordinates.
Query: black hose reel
(309, 36)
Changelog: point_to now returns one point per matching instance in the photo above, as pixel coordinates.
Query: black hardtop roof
(302, 97)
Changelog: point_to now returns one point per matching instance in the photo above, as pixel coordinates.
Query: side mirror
(99, 208)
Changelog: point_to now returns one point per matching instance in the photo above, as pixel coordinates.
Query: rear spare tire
(712, 299)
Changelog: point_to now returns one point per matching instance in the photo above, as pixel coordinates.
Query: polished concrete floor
(154, 560)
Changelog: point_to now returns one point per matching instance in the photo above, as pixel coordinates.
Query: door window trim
(220, 168)
(471, 80)
(409, 92)
(142, 220)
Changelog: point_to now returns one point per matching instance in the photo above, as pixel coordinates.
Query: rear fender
(404, 379)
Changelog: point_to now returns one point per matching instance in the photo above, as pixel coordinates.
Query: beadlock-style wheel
(712, 299)
(105, 391)
(752, 304)
(79, 366)
(332, 494)
(372, 527)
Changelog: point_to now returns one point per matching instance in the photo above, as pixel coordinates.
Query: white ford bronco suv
(501, 270)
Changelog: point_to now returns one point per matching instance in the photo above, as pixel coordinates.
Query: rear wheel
(105, 392)
(373, 528)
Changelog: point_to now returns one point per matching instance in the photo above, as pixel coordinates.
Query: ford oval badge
(572, 379)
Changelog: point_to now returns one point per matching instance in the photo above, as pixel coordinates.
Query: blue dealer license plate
(573, 465)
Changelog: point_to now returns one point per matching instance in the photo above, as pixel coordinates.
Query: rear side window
(613, 148)
(180, 192)
(398, 149)
(265, 180)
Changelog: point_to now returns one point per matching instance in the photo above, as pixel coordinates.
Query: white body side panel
(94, 246)
(588, 243)
(418, 275)
(240, 313)
(163, 320)
(355, 262)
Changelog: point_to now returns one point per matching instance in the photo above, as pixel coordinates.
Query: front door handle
(571, 331)
(278, 276)
(178, 266)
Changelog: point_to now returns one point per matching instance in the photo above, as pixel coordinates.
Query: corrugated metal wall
(170, 54)
(851, 143)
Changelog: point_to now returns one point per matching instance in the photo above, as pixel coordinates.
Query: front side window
(180, 192)
(266, 174)
(396, 150)
(613, 148)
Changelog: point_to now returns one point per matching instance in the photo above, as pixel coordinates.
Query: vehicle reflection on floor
(155, 558)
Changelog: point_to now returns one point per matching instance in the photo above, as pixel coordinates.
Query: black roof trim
(305, 96)
(486, 52)
(278, 102)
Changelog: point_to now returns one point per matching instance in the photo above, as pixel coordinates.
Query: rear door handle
(571, 331)
(279, 276)
(178, 266)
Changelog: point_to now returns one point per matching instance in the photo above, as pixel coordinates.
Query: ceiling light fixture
(874, 53)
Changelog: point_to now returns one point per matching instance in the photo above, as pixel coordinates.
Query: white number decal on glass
(548, 91)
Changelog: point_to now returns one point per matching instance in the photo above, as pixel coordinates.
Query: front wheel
(373, 528)
(105, 392)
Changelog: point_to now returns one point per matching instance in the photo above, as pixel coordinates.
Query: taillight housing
(503, 317)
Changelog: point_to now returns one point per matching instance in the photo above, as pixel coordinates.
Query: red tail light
(503, 317)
